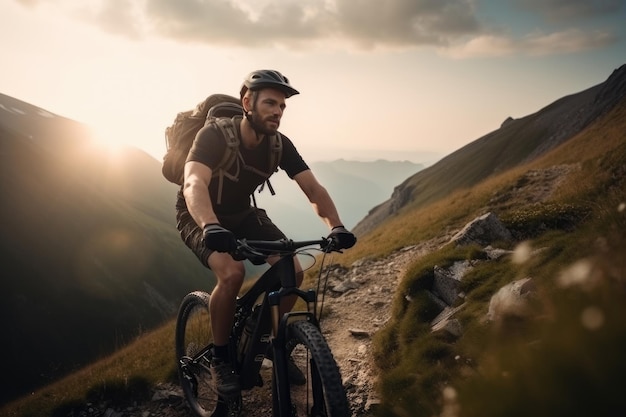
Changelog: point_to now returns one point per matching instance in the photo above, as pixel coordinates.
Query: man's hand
(342, 238)
(219, 239)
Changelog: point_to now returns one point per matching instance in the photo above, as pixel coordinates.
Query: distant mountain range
(355, 187)
(89, 246)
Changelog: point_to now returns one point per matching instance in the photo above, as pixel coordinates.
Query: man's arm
(196, 192)
(319, 198)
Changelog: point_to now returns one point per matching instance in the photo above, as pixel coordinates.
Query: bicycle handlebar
(257, 251)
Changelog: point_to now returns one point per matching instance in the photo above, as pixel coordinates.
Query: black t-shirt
(209, 147)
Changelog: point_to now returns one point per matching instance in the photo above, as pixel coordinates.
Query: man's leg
(230, 275)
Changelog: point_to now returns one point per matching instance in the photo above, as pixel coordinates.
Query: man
(210, 228)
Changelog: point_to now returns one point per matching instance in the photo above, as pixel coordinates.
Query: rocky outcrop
(482, 230)
(401, 196)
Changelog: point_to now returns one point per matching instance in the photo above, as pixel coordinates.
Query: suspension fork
(282, 406)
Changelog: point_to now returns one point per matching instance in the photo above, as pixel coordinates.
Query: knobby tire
(323, 394)
(193, 333)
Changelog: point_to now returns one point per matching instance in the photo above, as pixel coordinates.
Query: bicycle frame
(275, 284)
(259, 328)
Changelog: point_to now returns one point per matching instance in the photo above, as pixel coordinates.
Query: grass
(120, 379)
(557, 354)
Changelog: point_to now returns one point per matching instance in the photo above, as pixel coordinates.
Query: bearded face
(267, 110)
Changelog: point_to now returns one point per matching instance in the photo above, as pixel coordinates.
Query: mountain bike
(260, 331)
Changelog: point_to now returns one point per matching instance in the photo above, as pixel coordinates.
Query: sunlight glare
(112, 149)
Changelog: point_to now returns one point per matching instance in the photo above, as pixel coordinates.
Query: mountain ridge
(516, 142)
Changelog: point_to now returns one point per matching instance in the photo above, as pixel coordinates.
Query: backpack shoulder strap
(228, 128)
(276, 151)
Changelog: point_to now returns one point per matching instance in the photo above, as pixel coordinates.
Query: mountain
(355, 187)
(89, 248)
(516, 142)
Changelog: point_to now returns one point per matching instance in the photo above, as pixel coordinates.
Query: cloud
(366, 23)
(119, 17)
(236, 22)
(405, 22)
(566, 10)
(452, 26)
(535, 44)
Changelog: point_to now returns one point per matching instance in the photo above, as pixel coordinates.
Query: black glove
(219, 239)
(342, 238)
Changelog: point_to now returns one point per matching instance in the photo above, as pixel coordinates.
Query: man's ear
(245, 102)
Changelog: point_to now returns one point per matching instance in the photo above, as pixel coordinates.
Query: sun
(107, 143)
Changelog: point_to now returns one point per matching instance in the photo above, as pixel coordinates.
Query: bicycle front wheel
(320, 393)
(193, 355)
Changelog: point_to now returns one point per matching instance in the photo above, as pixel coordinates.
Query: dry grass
(121, 378)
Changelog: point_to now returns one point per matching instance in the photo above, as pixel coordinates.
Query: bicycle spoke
(193, 342)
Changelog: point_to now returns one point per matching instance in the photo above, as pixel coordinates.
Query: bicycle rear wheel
(193, 355)
(322, 395)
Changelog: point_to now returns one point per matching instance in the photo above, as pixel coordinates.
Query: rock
(482, 230)
(446, 282)
(511, 300)
(359, 333)
(451, 327)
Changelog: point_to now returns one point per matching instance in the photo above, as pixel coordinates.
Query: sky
(393, 79)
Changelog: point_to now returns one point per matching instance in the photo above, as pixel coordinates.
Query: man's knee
(232, 277)
(229, 273)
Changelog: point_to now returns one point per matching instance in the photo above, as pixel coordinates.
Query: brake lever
(329, 246)
(245, 251)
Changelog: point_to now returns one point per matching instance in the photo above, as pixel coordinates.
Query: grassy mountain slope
(556, 362)
(516, 142)
(90, 261)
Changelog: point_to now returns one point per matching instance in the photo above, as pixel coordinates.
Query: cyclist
(210, 229)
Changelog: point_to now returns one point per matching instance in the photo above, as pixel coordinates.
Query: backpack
(226, 112)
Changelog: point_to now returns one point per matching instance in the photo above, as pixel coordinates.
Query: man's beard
(260, 125)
